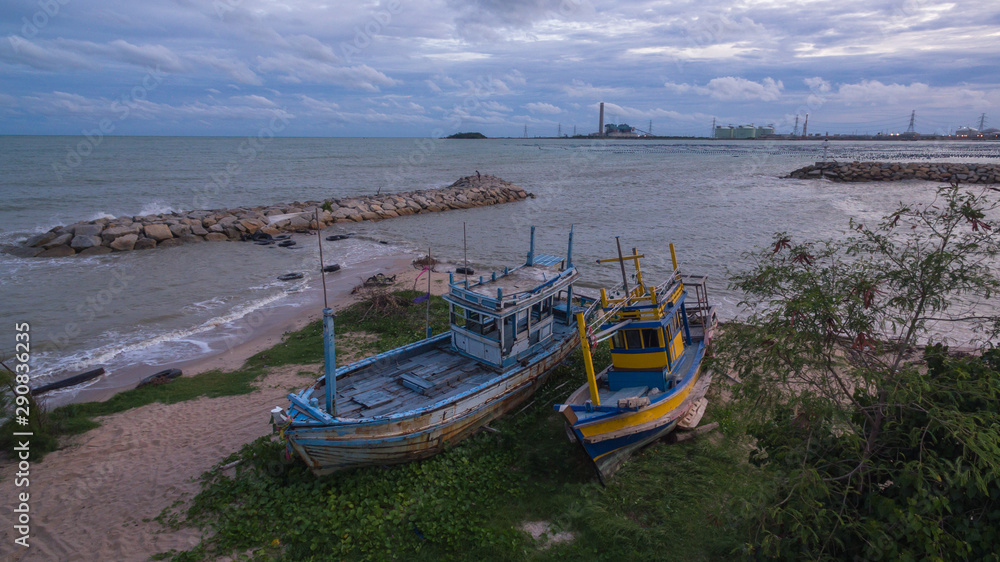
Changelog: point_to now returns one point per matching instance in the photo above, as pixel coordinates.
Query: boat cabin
(505, 318)
(651, 340)
(651, 329)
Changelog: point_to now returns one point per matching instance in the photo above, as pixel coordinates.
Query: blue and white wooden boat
(658, 336)
(508, 331)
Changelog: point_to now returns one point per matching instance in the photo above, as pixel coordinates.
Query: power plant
(618, 130)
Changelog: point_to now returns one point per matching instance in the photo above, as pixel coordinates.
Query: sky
(427, 68)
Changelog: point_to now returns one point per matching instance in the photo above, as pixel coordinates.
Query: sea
(714, 200)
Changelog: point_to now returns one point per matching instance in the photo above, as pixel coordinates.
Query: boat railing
(698, 309)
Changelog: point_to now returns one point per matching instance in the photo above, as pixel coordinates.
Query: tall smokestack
(600, 126)
(805, 127)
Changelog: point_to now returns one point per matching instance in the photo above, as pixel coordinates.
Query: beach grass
(670, 502)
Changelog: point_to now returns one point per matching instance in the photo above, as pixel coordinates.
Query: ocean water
(714, 200)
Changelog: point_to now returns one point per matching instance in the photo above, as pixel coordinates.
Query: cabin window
(508, 333)
(489, 328)
(632, 339)
(541, 310)
(472, 322)
(522, 321)
(650, 338)
(458, 316)
(618, 341)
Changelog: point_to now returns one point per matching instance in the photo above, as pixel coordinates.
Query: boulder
(58, 252)
(114, 232)
(216, 237)
(124, 243)
(298, 221)
(169, 243)
(191, 238)
(179, 230)
(81, 241)
(198, 230)
(216, 228)
(39, 240)
(144, 244)
(251, 225)
(25, 251)
(88, 229)
(95, 251)
(158, 232)
(61, 240)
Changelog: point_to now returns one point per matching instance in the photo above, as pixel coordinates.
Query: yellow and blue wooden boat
(508, 331)
(659, 336)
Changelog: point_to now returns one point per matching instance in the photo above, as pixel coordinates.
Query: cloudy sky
(428, 67)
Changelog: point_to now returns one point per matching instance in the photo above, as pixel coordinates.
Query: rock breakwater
(895, 171)
(127, 233)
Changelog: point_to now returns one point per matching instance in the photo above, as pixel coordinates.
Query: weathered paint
(415, 435)
(441, 397)
(646, 390)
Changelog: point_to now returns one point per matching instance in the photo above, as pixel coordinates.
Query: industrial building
(620, 130)
(742, 132)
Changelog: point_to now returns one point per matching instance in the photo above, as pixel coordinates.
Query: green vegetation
(470, 501)
(466, 136)
(877, 452)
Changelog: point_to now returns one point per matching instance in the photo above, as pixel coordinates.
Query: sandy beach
(94, 499)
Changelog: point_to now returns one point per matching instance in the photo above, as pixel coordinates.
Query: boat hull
(612, 440)
(396, 439)
(609, 456)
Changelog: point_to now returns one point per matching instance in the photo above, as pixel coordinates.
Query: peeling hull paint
(341, 446)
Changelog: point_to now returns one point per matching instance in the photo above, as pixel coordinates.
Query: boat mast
(569, 290)
(329, 362)
(329, 350)
(430, 267)
(621, 261)
(531, 250)
(588, 362)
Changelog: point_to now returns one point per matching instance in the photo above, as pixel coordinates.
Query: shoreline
(230, 345)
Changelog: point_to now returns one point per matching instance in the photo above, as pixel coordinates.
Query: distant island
(467, 136)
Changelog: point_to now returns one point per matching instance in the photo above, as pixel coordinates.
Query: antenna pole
(621, 262)
(465, 251)
(322, 271)
(430, 267)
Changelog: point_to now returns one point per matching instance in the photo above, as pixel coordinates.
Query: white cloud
(491, 105)
(580, 89)
(300, 70)
(253, 100)
(733, 88)
(873, 91)
(541, 107)
(236, 70)
(817, 84)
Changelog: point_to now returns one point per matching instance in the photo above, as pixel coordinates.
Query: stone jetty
(127, 233)
(895, 171)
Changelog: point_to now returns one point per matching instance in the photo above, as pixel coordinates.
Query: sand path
(89, 500)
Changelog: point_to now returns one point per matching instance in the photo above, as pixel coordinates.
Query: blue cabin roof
(502, 293)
